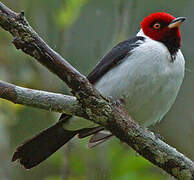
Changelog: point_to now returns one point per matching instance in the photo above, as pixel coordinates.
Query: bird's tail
(98, 138)
(40, 147)
(43, 145)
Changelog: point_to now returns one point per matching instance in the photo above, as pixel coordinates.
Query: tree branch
(40, 99)
(96, 107)
(26, 39)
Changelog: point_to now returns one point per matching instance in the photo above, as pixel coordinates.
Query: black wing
(114, 57)
(111, 59)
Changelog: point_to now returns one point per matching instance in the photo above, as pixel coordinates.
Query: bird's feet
(158, 136)
(117, 102)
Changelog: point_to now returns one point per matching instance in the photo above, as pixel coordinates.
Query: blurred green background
(82, 31)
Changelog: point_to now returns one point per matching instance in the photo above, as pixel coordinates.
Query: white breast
(148, 81)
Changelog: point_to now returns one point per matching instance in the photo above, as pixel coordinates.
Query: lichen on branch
(95, 107)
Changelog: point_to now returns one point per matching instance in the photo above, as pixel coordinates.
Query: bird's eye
(156, 26)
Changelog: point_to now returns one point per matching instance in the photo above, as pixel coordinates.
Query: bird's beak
(176, 22)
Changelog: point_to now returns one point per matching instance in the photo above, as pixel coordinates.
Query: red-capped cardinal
(146, 71)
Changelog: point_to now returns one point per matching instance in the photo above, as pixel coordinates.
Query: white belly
(149, 82)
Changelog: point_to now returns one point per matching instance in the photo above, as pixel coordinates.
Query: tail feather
(99, 138)
(40, 147)
(89, 131)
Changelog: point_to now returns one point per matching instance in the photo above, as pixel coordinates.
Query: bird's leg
(158, 136)
(117, 102)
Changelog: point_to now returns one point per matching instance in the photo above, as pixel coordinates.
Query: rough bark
(96, 108)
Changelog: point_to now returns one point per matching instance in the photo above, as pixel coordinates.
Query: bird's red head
(163, 27)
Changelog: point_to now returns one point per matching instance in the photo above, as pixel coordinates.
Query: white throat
(141, 33)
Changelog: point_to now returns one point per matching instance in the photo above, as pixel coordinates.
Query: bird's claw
(158, 136)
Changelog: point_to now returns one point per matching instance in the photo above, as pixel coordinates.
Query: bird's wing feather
(114, 57)
(111, 59)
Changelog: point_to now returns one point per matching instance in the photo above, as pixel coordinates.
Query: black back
(114, 57)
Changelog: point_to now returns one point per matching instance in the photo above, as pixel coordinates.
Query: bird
(145, 72)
